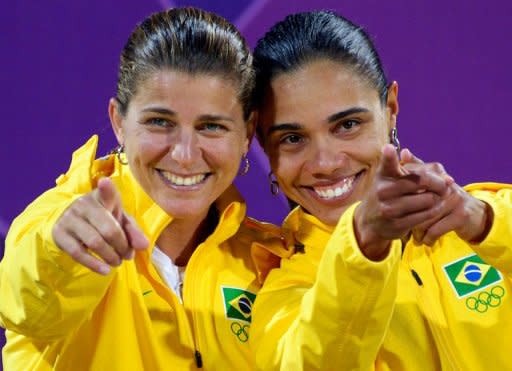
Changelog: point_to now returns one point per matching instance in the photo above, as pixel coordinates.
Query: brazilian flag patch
(238, 303)
(471, 274)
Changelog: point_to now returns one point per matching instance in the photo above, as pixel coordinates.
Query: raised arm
(330, 308)
(480, 214)
(45, 290)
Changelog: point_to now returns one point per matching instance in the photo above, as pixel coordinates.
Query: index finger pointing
(390, 163)
(107, 195)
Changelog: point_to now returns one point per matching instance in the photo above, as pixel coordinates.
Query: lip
(343, 187)
(183, 177)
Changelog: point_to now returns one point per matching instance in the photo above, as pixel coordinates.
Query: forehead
(168, 81)
(317, 90)
(182, 88)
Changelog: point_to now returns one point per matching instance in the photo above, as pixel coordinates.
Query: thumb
(408, 158)
(108, 196)
(134, 234)
(390, 163)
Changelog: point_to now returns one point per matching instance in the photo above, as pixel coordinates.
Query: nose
(325, 158)
(186, 148)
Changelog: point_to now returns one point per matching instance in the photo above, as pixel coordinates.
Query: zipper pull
(417, 277)
(299, 248)
(199, 359)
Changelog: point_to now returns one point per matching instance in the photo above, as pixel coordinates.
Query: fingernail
(144, 243)
(104, 269)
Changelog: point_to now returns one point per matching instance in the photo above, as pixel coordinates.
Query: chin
(331, 217)
(185, 210)
(328, 217)
(330, 220)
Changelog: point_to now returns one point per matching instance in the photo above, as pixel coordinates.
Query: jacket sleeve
(330, 316)
(496, 248)
(43, 293)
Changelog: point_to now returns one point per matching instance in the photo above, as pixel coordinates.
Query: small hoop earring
(393, 139)
(246, 165)
(118, 151)
(274, 186)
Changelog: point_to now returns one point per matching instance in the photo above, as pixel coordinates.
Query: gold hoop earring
(274, 186)
(118, 151)
(246, 165)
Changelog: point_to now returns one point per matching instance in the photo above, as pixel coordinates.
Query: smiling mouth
(183, 181)
(340, 190)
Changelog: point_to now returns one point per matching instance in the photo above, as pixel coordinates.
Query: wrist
(372, 246)
(485, 224)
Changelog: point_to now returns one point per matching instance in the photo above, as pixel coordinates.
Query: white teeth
(329, 193)
(183, 181)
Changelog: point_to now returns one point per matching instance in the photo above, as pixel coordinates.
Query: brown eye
(291, 139)
(347, 126)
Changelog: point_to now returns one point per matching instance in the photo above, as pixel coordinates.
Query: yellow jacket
(453, 308)
(328, 306)
(61, 316)
(457, 313)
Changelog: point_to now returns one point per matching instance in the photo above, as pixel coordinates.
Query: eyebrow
(332, 118)
(163, 111)
(342, 114)
(205, 117)
(283, 127)
(215, 118)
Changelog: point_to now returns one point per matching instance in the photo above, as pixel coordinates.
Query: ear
(392, 104)
(251, 127)
(116, 119)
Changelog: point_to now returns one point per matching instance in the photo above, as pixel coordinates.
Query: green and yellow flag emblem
(471, 274)
(238, 303)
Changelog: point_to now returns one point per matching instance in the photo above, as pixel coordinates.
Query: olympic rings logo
(241, 331)
(485, 299)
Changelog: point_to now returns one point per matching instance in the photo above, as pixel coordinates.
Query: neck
(181, 238)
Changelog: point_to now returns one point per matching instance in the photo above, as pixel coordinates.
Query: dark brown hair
(189, 40)
(305, 37)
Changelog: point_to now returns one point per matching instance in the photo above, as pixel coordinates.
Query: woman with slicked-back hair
(145, 259)
(380, 237)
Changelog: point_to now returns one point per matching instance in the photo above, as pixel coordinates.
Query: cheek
(287, 169)
(374, 153)
(225, 152)
(145, 147)
(373, 143)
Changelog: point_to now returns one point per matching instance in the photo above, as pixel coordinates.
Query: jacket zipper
(178, 304)
(443, 342)
(190, 282)
(197, 354)
(199, 359)
(417, 277)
